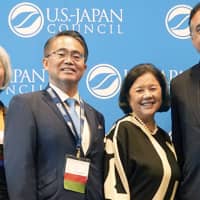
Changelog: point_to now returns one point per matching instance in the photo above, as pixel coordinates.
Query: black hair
(193, 12)
(74, 34)
(130, 78)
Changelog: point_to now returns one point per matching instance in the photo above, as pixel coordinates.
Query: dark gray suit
(185, 93)
(37, 140)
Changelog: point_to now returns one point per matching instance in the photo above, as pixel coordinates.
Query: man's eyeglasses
(63, 53)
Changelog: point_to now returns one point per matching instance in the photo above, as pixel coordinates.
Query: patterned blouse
(138, 164)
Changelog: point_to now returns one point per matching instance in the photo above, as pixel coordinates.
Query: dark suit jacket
(185, 96)
(37, 140)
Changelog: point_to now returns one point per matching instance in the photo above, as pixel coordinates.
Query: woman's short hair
(130, 78)
(5, 61)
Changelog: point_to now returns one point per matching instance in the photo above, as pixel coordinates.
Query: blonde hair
(5, 61)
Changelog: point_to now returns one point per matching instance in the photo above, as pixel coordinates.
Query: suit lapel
(194, 91)
(89, 114)
(48, 100)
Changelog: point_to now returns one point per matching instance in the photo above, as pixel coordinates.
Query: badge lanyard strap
(61, 107)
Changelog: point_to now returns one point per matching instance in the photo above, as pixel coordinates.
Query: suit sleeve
(20, 147)
(176, 130)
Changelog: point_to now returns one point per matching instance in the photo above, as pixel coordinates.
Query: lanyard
(61, 107)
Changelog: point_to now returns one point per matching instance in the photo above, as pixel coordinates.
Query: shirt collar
(63, 96)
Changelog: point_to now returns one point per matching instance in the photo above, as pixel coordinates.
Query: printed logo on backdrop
(103, 81)
(26, 80)
(26, 20)
(176, 21)
(85, 20)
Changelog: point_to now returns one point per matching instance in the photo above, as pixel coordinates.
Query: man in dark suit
(46, 155)
(185, 96)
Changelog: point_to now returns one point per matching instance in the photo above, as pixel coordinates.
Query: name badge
(76, 174)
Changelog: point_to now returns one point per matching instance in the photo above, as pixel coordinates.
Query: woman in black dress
(140, 161)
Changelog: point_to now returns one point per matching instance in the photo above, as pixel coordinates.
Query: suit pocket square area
(99, 127)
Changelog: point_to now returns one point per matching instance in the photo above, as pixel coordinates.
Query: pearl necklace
(152, 132)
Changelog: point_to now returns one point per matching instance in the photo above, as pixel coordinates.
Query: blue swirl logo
(103, 81)
(25, 20)
(176, 21)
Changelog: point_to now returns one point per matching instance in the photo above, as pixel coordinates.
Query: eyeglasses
(63, 53)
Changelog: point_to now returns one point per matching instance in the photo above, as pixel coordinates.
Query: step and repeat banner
(119, 34)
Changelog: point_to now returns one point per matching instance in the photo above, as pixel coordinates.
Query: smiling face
(145, 96)
(65, 72)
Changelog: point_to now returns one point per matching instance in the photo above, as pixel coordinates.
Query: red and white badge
(76, 174)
